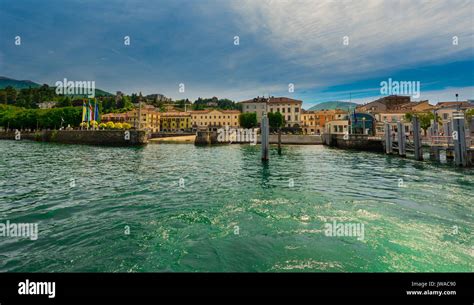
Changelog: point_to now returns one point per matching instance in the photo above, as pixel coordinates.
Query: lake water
(177, 207)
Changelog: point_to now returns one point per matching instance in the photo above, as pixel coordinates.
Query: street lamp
(363, 125)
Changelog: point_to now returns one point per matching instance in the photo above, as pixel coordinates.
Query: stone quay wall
(89, 137)
(353, 141)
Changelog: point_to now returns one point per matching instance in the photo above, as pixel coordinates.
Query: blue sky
(280, 42)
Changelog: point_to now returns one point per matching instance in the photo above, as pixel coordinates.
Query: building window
(297, 109)
(289, 118)
(283, 110)
(289, 109)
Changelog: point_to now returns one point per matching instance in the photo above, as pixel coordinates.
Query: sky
(324, 50)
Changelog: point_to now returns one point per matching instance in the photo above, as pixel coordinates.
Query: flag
(91, 113)
(96, 112)
(84, 111)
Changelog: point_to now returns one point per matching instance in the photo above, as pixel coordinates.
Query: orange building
(314, 122)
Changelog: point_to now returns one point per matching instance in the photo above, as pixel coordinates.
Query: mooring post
(401, 139)
(435, 127)
(279, 141)
(417, 139)
(265, 130)
(388, 139)
(435, 153)
(459, 140)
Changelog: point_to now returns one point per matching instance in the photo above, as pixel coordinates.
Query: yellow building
(175, 121)
(308, 122)
(150, 118)
(213, 119)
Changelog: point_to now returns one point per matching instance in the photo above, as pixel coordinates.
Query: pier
(455, 143)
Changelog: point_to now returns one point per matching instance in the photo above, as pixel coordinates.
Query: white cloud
(383, 35)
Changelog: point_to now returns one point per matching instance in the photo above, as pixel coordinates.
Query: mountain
(331, 105)
(24, 84)
(17, 84)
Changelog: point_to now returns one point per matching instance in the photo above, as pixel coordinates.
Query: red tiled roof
(272, 100)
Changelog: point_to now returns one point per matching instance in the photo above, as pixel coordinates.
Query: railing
(441, 140)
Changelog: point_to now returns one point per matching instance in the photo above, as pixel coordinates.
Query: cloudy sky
(279, 43)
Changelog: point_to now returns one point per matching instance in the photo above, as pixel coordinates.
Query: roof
(175, 113)
(273, 100)
(218, 110)
(454, 104)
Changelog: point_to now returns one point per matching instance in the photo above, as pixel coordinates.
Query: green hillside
(17, 84)
(331, 105)
(25, 84)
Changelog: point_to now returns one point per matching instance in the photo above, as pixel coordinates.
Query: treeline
(214, 102)
(27, 97)
(12, 117)
(30, 98)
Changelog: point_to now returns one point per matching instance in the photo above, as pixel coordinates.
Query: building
(257, 105)
(445, 110)
(422, 106)
(314, 122)
(337, 127)
(289, 108)
(150, 118)
(362, 123)
(213, 119)
(47, 105)
(176, 121)
(392, 118)
(157, 97)
(115, 117)
(308, 122)
(391, 102)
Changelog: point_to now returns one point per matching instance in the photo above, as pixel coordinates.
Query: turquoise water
(171, 207)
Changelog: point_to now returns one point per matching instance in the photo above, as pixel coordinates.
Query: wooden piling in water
(417, 139)
(435, 153)
(279, 141)
(265, 138)
(459, 140)
(388, 139)
(401, 139)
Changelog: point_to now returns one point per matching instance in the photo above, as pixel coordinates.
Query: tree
(424, 118)
(469, 115)
(11, 95)
(3, 97)
(276, 120)
(248, 120)
(16, 117)
(408, 116)
(64, 102)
